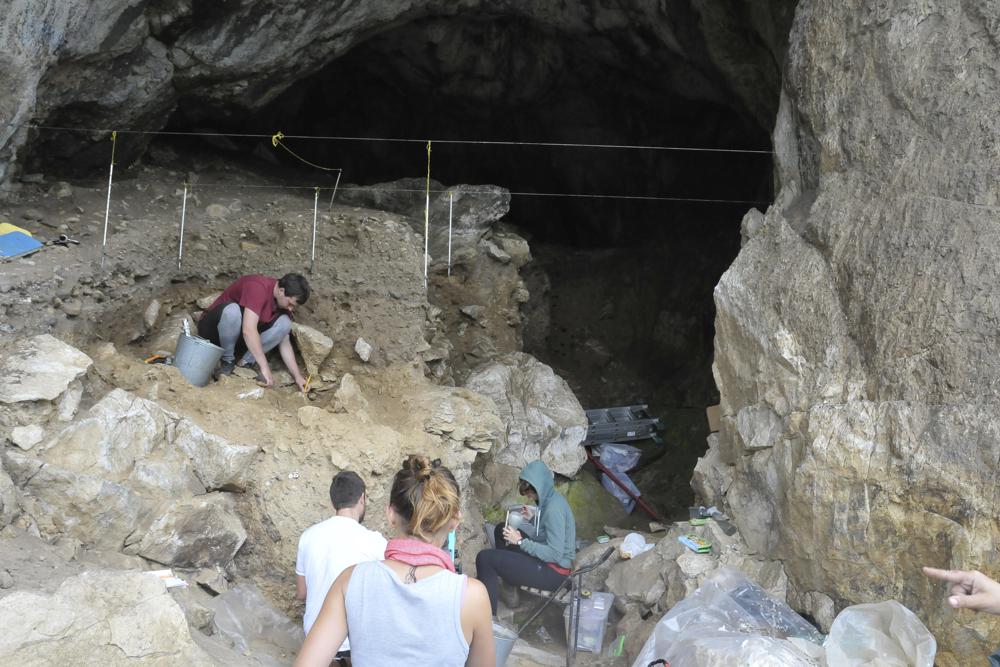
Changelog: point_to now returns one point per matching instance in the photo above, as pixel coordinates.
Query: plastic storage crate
(593, 619)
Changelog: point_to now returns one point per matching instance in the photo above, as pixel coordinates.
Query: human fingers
(980, 601)
(960, 577)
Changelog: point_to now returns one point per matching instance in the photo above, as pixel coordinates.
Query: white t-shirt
(327, 549)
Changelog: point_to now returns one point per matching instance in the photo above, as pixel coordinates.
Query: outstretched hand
(969, 589)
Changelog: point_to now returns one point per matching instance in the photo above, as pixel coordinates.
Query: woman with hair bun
(411, 608)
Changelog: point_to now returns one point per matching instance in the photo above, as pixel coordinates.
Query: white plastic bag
(732, 621)
(633, 545)
(882, 634)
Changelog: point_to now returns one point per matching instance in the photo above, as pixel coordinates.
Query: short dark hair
(295, 285)
(524, 488)
(346, 489)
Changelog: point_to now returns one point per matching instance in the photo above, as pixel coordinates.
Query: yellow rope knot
(277, 143)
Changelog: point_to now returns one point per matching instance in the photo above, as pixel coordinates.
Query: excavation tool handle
(597, 563)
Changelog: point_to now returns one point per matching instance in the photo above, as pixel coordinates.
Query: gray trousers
(231, 328)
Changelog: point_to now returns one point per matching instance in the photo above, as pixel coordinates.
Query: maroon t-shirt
(255, 293)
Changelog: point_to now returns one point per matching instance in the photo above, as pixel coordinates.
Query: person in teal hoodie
(541, 561)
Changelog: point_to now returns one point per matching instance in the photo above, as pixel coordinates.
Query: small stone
(216, 211)
(245, 373)
(66, 547)
(32, 214)
(248, 246)
(206, 301)
(33, 178)
(152, 314)
(314, 346)
(6, 581)
(72, 307)
(363, 349)
(472, 312)
(62, 189)
(212, 580)
(497, 253)
(72, 220)
(27, 437)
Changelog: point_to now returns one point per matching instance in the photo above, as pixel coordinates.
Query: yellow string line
(276, 142)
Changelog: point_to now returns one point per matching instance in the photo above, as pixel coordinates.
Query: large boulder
(198, 532)
(542, 417)
(134, 440)
(99, 512)
(41, 377)
(461, 416)
(101, 478)
(113, 618)
(855, 332)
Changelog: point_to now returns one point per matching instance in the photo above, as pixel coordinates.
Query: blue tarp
(13, 244)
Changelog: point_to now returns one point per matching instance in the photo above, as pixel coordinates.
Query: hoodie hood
(539, 476)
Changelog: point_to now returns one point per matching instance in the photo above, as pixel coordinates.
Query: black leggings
(516, 568)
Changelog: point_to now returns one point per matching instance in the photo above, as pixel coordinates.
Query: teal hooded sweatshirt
(556, 540)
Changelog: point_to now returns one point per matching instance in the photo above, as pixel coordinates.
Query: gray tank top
(392, 623)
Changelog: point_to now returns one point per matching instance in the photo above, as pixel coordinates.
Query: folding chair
(570, 588)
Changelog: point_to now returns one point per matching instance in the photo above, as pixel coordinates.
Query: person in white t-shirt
(328, 548)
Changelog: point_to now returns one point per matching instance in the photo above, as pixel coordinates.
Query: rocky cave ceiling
(665, 74)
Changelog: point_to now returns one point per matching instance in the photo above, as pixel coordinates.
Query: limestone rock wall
(856, 332)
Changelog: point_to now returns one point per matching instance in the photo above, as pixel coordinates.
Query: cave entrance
(621, 287)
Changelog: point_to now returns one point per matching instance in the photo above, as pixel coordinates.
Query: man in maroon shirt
(253, 316)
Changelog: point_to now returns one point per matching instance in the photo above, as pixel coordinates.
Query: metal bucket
(503, 642)
(196, 358)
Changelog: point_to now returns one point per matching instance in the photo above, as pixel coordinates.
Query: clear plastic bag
(882, 634)
(619, 458)
(633, 545)
(618, 492)
(730, 620)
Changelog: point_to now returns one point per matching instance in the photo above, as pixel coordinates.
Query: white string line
(482, 142)
(569, 195)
